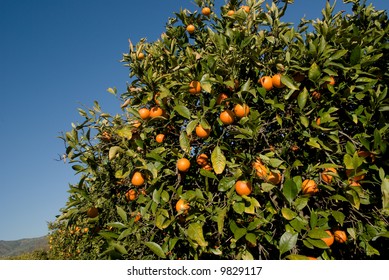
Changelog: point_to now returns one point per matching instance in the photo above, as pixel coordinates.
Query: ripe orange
(138, 216)
(354, 183)
(220, 98)
(136, 123)
(318, 121)
(206, 11)
(327, 177)
(245, 8)
(106, 136)
(312, 258)
(266, 82)
(183, 164)
(202, 160)
(182, 206)
(201, 132)
(207, 167)
(92, 212)
(241, 110)
(276, 80)
(261, 169)
(340, 236)
(274, 178)
(141, 56)
(332, 81)
(230, 12)
(227, 117)
(131, 195)
(144, 113)
(309, 186)
(156, 99)
(190, 28)
(194, 87)
(243, 187)
(160, 137)
(330, 239)
(137, 179)
(156, 112)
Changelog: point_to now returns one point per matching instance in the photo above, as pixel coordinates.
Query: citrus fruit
(330, 239)
(241, 110)
(276, 81)
(201, 132)
(309, 186)
(206, 11)
(190, 28)
(141, 56)
(266, 82)
(243, 187)
(220, 98)
(245, 8)
(183, 164)
(156, 112)
(332, 81)
(230, 12)
(194, 87)
(92, 212)
(131, 195)
(227, 117)
(144, 113)
(160, 137)
(327, 177)
(351, 173)
(182, 206)
(137, 179)
(340, 236)
(274, 178)
(202, 160)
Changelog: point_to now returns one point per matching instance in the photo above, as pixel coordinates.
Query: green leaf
(287, 242)
(239, 207)
(317, 234)
(252, 238)
(191, 126)
(318, 243)
(218, 160)
(221, 215)
(302, 98)
(314, 72)
(207, 173)
(239, 233)
(184, 142)
(226, 183)
(195, 232)
(113, 151)
(120, 248)
(125, 132)
(338, 216)
(353, 197)
(288, 214)
(183, 111)
(304, 121)
(338, 54)
(156, 249)
(385, 194)
(121, 213)
(290, 190)
(288, 82)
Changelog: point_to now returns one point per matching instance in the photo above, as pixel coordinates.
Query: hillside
(21, 246)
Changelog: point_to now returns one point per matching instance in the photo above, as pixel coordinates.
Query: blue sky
(56, 56)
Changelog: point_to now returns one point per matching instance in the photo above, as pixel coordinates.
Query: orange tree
(272, 142)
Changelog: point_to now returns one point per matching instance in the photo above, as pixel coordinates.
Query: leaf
(287, 242)
(218, 160)
(120, 248)
(183, 111)
(318, 243)
(288, 82)
(239, 207)
(156, 249)
(385, 194)
(191, 126)
(338, 216)
(121, 213)
(288, 214)
(317, 234)
(221, 215)
(113, 151)
(125, 132)
(353, 197)
(304, 121)
(239, 233)
(226, 184)
(184, 142)
(290, 190)
(338, 54)
(302, 98)
(314, 72)
(195, 232)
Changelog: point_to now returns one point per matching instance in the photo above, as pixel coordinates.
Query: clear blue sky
(56, 56)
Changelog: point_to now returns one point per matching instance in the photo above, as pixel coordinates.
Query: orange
(92, 212)
(309, 186)
(266, 82)
(354, 183)
(243, 187)
(276, 81)
(138, 216)
(156, 99)
(136, 123)
(274, 178)
(106, 136)
(160, 137)
(340, 236)
(318, 121)
(230, 12)
(194, 87)
(190, 28)
(227, 117)
(241, 110)
(137, 179)
(201, 132)
(207, 167)
(246, 8)
(330, 239)
(327, 177)
(141, 56)
(156, 112)
(332, 81)
(261, 169)
(202, 160)
(354, 178)
(86, 230)
(131, 195)
(220, 98)
(316, 95)
(144, 113)
(182, 206)
(312, 258)
(183, 164)
(206, 11)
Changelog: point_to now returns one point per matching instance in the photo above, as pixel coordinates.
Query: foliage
(332, 112)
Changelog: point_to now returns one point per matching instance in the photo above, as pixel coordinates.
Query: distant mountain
(21, 246)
